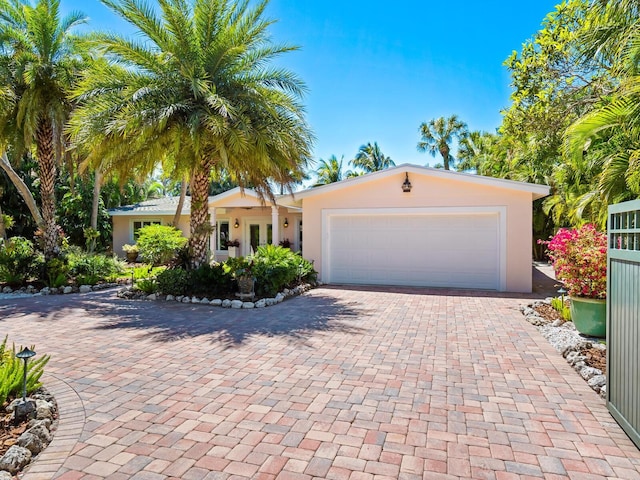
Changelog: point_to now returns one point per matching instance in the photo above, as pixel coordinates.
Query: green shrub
(57, 272)
(147, 271)
(276, 268)
(559, 305)
(209, 280)
(89, 269)
(158, 244)
(147, 285)
(19, 261)
(11, 373)
(173, 281)
(566, 313)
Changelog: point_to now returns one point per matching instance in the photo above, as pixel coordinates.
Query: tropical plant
(197, 85)
(19, 261)
(437, 136)
(579, 258)
(158, 244)
(276, 268)
(173, 281)
(89, 268)
(371, 159)
(40, 64)
(330, 171)
(12, 373)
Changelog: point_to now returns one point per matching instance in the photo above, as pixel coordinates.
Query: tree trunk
(47, 164)
(444, 151)
(97, 184)
(25, 193)
(200, 227)
(183, 194)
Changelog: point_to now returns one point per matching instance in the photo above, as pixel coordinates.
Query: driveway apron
(337, 383)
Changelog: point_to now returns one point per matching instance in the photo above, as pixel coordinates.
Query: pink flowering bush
(579, 258)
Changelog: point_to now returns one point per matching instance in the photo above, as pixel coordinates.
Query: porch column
(275, 225)
(214, 232)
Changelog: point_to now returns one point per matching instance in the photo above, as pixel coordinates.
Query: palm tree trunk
(25, 193)
(47, 163)
(183, 194)
(200, 228)
(97, 184)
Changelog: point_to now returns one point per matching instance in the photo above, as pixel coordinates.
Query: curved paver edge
(71, 420)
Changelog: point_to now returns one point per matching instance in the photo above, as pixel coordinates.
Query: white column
(214, 232)
(275, 225)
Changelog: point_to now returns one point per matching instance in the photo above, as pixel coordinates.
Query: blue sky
(376, 70)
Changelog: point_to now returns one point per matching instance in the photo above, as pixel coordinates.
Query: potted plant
(131, 251)
(285, 243)
(241, 270)
(232, 245)
(579, 258)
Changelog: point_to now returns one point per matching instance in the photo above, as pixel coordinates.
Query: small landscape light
(406, 185)
(25, 354)
(562, 291)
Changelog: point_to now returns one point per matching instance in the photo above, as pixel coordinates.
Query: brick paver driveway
(335, 384)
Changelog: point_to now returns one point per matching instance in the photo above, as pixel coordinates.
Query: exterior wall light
(236, 224)
(406, 185)
(286, 223)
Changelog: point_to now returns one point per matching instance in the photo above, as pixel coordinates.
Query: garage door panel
(419, 250)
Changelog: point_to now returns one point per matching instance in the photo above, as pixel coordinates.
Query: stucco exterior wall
(428, 191)
(123, 228)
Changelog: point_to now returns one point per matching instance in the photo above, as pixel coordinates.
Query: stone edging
(564, 337)
(130, 294)
(71, 421)
(32, 291)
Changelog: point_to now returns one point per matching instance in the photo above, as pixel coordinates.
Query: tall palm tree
(197, 83)
(438, 134)
(371, 159)
(330, 171)
(40, 65)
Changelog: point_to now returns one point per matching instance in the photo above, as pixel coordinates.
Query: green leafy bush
(147, 271)
(276, 268)
(19, 261)
(147, 285)
(559, 305)
(158, 244)
(89, 269)
(11, 373)
(57, 272)
(209, 280)
(173, 281)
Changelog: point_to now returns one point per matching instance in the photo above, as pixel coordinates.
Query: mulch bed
(596, 358)
(9, 433)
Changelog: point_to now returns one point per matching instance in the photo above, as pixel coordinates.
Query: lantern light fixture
(236, 224)
(406, 185)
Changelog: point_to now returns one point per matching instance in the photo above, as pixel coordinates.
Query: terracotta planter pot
(589, 315)
(132, 256)
(245, 285)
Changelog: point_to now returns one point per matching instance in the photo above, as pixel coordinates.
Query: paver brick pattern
(338, 384)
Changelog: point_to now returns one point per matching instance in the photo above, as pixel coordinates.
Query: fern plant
(11, 373)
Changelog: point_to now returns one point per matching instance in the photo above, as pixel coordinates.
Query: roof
(537, 191)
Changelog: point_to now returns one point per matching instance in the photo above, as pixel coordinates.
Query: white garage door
(452, 250)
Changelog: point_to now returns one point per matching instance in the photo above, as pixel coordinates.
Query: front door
(259, 232)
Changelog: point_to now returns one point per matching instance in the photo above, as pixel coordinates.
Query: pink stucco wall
(429, 191)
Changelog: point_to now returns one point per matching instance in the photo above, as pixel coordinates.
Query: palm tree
(371, 159)
(196, 84)
(40, 65)
(330, 171)
(438, 134)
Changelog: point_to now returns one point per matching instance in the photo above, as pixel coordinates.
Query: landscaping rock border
(8, 292)
(35, 438)
(130, 293)
(564, 337)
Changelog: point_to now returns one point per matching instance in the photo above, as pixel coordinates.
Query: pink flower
(579, 258)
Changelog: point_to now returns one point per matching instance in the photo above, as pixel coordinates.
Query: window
(223, 235)
(138, 224)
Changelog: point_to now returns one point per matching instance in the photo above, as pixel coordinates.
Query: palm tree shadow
(298, 319)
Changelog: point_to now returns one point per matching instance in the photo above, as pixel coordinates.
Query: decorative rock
(52, 290)
(45, 422)
(286, 292)
(41, 432)
(205, 300)
(195, 300)
(45, 291)
(31, 442)
(248, 305)
(226, 303)
(15, 458)
(557, 323)
(603, 391)
(279, 298)
(179, 298)
(153, 296)
(24, 411)
(236, 304)
(216, 302)
(261, 303)
(7, 290)
(85, 288)
(589, 372)
(30, 289)
(529, 311)
(170, 298)
(270, 301)
(67, 289)
(597, 381)
(4, 475)
(186, 300)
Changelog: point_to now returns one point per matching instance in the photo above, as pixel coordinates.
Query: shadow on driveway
(297, 318)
